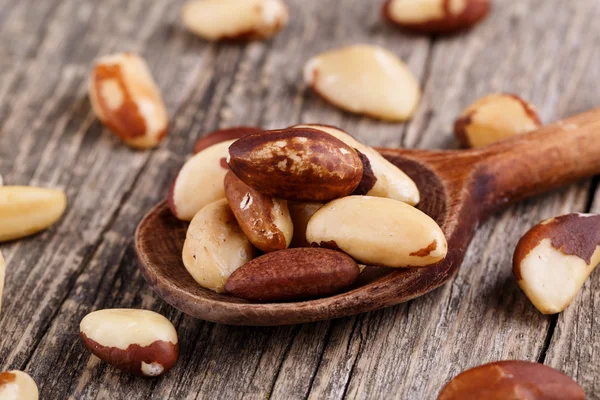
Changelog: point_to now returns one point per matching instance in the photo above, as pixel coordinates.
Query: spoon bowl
(458, 190)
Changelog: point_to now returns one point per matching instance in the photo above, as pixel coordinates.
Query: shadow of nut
(140, 342)
(512, 380)
(553, 259)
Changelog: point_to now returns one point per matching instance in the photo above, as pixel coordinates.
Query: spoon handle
(552, 156)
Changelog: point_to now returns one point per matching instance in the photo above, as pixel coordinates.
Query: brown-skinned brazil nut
(504, 380)
(296, 164)
(293, 274)
(140, 342)
(554, 258)
(17, 385)
(265, 220)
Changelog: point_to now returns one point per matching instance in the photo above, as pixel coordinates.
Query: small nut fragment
(301, 212)
(553, 259)
(126, 99)
(435, 16)
(380, 178)
(378, 231)
(265, 220)
(199, 182)
(494, 118)
(25, 210)
(234, 19)
(223, 135)
(504, 380)
(17, 385)
(366, 80)
(140, 342)
(293, 274)
(215, 246)
(2, 275)
(296, 164)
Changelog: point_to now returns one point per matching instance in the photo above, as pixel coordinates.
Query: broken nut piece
(435, 16)
(140, 342)
(504, 380)
(365, 79)
(17, 385)
(126, 99)
(25, 210)
(554, 258)
(494, 118)
(234, 19)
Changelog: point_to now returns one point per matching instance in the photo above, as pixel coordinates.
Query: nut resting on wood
(553, 260)
(140, 342)
(494, 118)
(215, 246)
(435, 16)
(234, 19)
(126, 99)
(505, 380)
(364, 79)
(25, 210)
(17, 385)
(293, 274)
(378, 231)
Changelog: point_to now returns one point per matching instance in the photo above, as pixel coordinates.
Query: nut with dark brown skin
(126, 99)
(505, 380)
(380, 178)
(554, 258)
(301, 212)
(17, 385)
(293, 274)
(223, 135)
(493, 118)
(435, 16)
(266, 221)
(234, 19)
(140, 342)
(296, 164)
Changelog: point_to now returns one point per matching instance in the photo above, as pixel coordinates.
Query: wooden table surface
(548, 51)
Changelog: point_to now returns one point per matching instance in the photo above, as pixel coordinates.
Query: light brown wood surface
(548, 51)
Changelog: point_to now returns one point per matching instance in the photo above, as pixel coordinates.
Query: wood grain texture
(545, 50)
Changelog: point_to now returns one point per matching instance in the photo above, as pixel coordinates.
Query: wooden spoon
(459, 189)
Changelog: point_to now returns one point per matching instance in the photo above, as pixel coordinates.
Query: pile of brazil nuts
(288, 214)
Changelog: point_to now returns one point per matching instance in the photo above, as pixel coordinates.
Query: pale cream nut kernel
(378, 231)
(17, 385)
(126, 99)
(366, 80)
(493, 118)
(141, 342)
(553, 260)
(215, 246)
(25, 210)
(389, 180)
(200, 181)
(235, 19)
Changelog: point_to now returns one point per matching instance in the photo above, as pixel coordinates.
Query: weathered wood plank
(48, 137)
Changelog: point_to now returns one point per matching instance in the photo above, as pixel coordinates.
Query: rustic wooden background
(548, 51)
